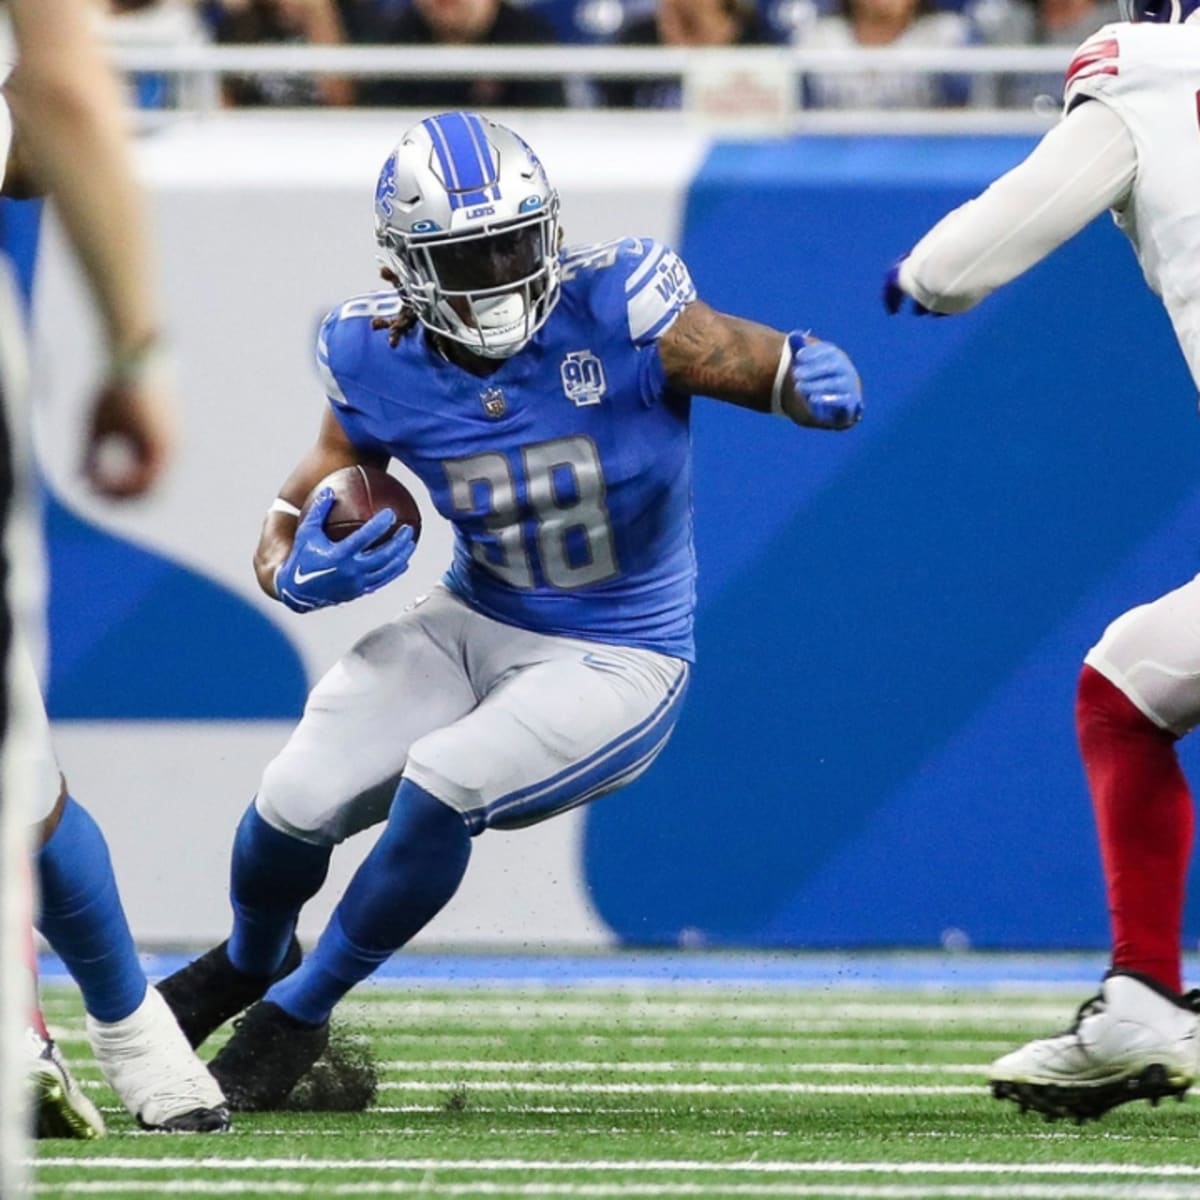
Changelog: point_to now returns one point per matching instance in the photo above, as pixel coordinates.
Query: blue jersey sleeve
(658, 287)
(637, 281)
(346, 345)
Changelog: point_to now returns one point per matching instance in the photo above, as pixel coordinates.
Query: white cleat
(152, 1068)
(1134, 1041)
(58, 1106)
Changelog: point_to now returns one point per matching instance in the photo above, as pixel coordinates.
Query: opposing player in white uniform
(543, 397)
(1129, 141)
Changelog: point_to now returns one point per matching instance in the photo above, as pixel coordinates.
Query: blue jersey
(566, 473)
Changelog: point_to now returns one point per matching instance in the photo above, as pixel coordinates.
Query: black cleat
(210, 990)
(267, 1056)
(1089, 1103)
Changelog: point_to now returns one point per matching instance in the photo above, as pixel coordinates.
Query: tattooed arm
(711, 354)
(707, 353)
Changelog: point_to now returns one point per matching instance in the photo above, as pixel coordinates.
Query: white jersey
(1149, 75)
(1130, 142)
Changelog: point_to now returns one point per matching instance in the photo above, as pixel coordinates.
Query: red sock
(1144, 816)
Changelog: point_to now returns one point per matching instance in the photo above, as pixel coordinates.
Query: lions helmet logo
(385, 189)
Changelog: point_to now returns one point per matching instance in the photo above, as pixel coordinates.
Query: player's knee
(295, 799)
(1103, 706)
(1150, 657)
(460, 781)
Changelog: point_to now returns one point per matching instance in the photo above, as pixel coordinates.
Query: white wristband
(280, 505)
(785, 362)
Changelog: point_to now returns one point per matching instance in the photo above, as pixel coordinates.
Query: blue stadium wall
(878, 745)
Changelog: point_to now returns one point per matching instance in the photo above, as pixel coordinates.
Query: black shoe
(208, 991)
(267, 1056)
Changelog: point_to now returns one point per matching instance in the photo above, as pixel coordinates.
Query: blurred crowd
(938, 24)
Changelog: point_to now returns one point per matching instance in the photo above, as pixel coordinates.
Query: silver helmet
(468, 222)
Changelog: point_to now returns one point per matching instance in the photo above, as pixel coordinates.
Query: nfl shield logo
(583, 378)
(493, 402)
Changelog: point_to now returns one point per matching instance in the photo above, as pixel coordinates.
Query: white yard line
(385, 1037)
(631, 1166)
(421, 1130)
(427, 1187)
(698, 1088)
(684, 1089)
(843, 1012)
(675, 1067)
(642, 1041)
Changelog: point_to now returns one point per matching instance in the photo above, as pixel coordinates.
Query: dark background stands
(425, 24)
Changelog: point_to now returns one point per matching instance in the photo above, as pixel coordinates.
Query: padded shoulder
(637, 280)
(346, 342)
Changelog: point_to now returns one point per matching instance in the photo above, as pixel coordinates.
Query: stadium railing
(778, 71)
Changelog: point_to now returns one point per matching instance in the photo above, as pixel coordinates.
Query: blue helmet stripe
(443, 152)
(464, 156)
(483, 152)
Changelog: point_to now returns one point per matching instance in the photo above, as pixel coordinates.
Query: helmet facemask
(489, 289)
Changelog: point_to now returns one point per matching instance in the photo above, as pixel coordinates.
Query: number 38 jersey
(566, 473)
(1149, 75)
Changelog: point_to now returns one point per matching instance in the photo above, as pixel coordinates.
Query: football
(359, 493)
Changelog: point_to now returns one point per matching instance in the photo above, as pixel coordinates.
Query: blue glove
(826, 383)
(319, 572)
(894, 295)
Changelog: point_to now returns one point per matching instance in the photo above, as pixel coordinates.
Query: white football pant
(1152, 654)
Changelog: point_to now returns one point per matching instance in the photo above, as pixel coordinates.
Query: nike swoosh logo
(304, 576)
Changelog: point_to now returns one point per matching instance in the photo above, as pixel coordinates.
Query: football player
(1127, 142)
(543, 398)
(67, 104)
(137, 1043)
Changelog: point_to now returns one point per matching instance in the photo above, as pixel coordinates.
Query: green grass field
(653, 1092)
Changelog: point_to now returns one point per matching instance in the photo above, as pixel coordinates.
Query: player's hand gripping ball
(359, 493)
(357, 532)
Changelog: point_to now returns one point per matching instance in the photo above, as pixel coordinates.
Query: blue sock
(271, 877)
(82, 918)
(409, 875)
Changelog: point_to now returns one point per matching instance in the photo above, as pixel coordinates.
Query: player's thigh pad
(1152, 653)
(29, 753)
(562, 722)
(339, 770)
